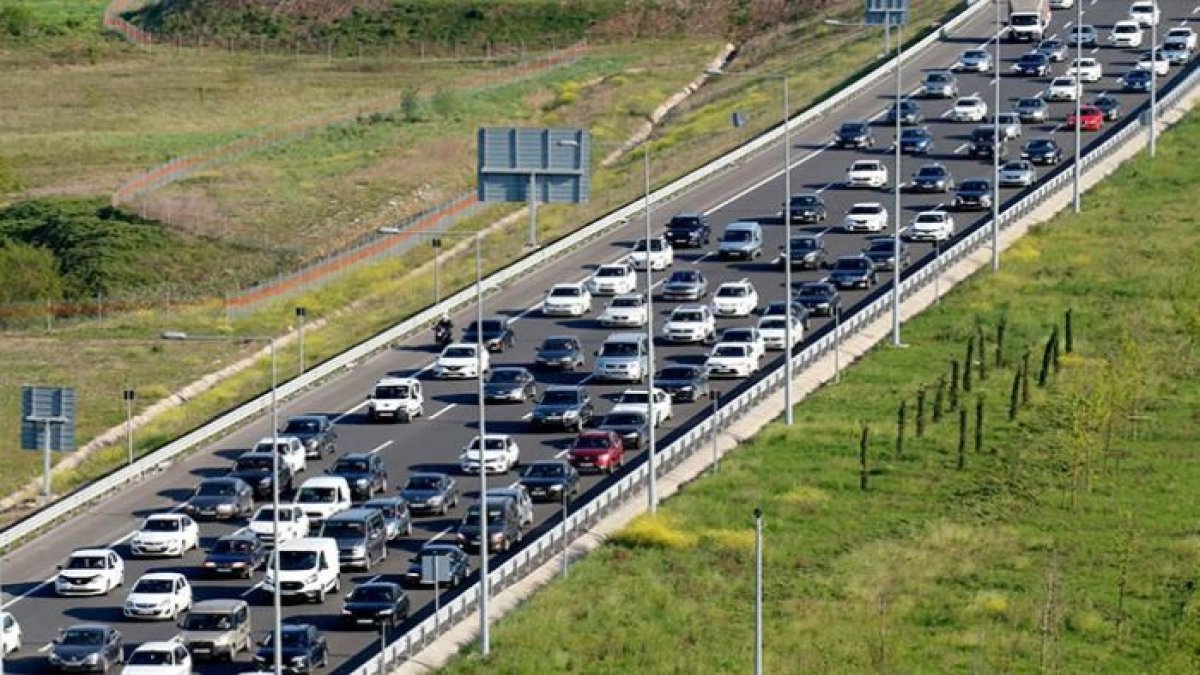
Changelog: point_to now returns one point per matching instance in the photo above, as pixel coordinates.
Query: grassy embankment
(1068, 544)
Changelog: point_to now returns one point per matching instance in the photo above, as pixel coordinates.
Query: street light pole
(127, 395)
(1075, 206)
(1153, 79)
(437, 280)
(301, 315)
(533, 209)
(715, 395)
(996, 148)
(758, 593)
(896, 227)
(788, 418)
(485, 645)
(652, 478)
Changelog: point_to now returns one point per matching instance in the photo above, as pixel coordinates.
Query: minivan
(503, 526)
(308, 567)
(361, 536)
(218, 629)
(741, 239)
(624, 357)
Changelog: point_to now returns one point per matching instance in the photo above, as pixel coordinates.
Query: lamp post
(127, 395)
(1153, 79)
(758, 593)
(437, 273)
(277, 628)
(715, 395)
(651, 449)
(1075, 206)
(996, 146)
(301, 315)
(788, 415)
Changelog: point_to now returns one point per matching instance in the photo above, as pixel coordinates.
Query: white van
(741, 239)
(623, 357)
(323, 496)
(308, 567)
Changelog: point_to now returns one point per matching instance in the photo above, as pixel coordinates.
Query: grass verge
(1067, 542)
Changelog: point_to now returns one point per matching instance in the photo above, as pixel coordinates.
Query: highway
(751, 191)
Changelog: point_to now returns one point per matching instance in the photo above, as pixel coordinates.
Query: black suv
(497, 336)
(303, 649)
(315, 432)
(256, 469)
(376, 603)
(563, 406)
(688, 230)
(364, 471)
(550, 480)
(807, 208)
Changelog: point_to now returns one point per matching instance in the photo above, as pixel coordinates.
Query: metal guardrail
(550, 544)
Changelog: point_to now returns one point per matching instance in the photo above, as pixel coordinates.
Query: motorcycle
(442, 335)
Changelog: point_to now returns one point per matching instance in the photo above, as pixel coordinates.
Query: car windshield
(865, 210)
(626, 302)
(1063, 82)
(459, 353)
(85, 562)
(610, 272)
(1040, 145)
(730, 350)
(635, 397)
(566, 292)
(394, 391)
(975, 186)
(259, 463)
(302, 426)
(684, 222)
(624, 419)
(217, 489)
(804, 244)
(316, 495)
(687, 316)
(865, 166)
(506, 375)
(82, 637)
(931, 172)
(913, 134)
(675, 374)
(161, 525)
(492, 443)
(292, 561)
(1126, 28)
(683, 277)
(922, 218)
(880, 246)
(1030, 103)
(544, 471)
(151, 657)
(968, 102)
(489, 326)
(268, 515)
(1033, 58)
(1023, 19)
(854, 128)
(560, 397)
(1050, 45)
(387, 508)
(558, 344)
(769, 324)
(232, 546)
(852, 264)
(975, 54)
(153, 586)
(655, 245)
(937, 78)
(737, 235)
(805, 200)
(591, 442)
(351, 466)
(737, 335)
(813, 292)
(207, 622)
(423, 483)
(289, 638)
(619, 349)
(495, 514)
(372, 594)
(343, 529)
(732, 292)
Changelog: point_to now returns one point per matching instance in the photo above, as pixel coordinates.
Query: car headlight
(361, 482)
(310, 443)
(435, 500)
(557, 487)
(571, 413)
(264, 482)
(299, 660)
(359, 550)
(93, 658)
(311, 579)
(53, 658)
(225, 507)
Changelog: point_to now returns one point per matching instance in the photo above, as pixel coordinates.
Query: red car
(599, 450)
(1091, 118)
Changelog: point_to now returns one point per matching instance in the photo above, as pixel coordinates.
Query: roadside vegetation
(1062, 539)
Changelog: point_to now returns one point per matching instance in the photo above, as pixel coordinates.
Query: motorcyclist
(444, 328)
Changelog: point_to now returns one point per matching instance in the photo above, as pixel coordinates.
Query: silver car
(976, 61)
(939, 84)
(1053, 48)
(1032, 109)
(1017, 173)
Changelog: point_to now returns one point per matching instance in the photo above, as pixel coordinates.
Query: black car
(87, 647)
(807, 208)
(302, 647)
(685, 285)
(633, 427)
(1042, 151)
(315, 432)
(1136, 80)
(364, 471)
(430, 492)
(881, 251)
(688, 230)
(1109, 105)
(563, 406)
(807, 252)
(916, 141)
(563, 352)
(820, 297)
(1032, 64)
(932, 178)
(683, 383)
(550, 479)
(374, 603)
(981, 144)
(854, 135)
(503, 527)
(220, 498)
(257, 470)
(509, 383)
(497, 335)
(853, 271)
(974, 193)
(238, 554)
(443, 564)
(909, 112)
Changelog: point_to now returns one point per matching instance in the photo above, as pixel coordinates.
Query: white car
(461, 360)
(159, 595)
(1177, 51)
(11, 636)
(613, 279)
(969, 109)
(746, 335)
(627, 310)
(735, 298)
(1126, 34)
(870, 173)
(638, 400)
(500, 454)
(731, 360)
(567, 300)
(975, 60)
(1156, 61)
(660, 254)
(866, 217)
(291, 451)
(1010, 125)
(1087, 69)
(90, 571)
(159, 658)
(1145, 13)
(1061, 89)
(690, 323)
(293, 524)
(162, 534)
(931, 226)
(774, 331)
(1182, 33)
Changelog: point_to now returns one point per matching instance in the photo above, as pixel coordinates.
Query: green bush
(28, 273)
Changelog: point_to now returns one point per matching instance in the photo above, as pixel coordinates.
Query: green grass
(1060, 547)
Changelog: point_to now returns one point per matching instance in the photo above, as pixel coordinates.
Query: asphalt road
(753, 190)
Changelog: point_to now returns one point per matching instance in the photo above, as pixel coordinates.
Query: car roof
(161, 576)
(498, 368)
(312, 417)
(165, 516)
(427, 474)
(357, 455)
(218, 605)
(356, 513)
(239, 536)
(159, 645)
(324, 481)
(563, 387)
(89, 626)
(560, 462)
(394, 381)
(280, 438)
(91, 551)
(563, 337)
(461, 344)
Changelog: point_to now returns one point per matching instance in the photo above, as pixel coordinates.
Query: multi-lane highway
(751, 191)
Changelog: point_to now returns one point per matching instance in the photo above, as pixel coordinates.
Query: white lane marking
(586, 380)
(1054, 36)
(525, 312)
(1067, 26)
(561, 454)
(962, 147)
(427, 367)
(771, 177)
(46, 647)
(441, 534)
(1058, 127)
(240, 531)
(438, 414)
(381, 446)
(515, 483)
(702, 258)
(823, 232)
(775, 260)
(252, 589)
(527, 416)
(1094, 50)
(1195, 10)
(374, 578)
(826, 187)
(349, 412)
(946, 113)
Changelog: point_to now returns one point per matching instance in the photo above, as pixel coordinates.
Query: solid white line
(441, 534)
(962, 147)
(347, 413)
(585, 380)
(768, 179)
(1094, 50)
(946, 113)
(438, 414)
(775, 260)
(253, 588)
(381, 446)
(527, 416)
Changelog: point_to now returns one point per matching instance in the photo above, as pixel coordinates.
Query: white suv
(690, 323)
(612, 279)
(735, 298)
(660, 254)
(567, 300)
(291, 451)
(627, 310)
(1144, 12)
(90, 571)
(731, 359)
(171, 534)
(293, 523)
(1126, 34)
(638, 400)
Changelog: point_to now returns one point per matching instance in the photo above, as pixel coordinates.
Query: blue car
(916, 141)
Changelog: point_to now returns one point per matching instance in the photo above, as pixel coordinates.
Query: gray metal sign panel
(887, 12)
(554, 163)
(47, 417)
(435, 568)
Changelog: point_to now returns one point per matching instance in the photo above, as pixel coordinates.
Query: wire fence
(113, 21)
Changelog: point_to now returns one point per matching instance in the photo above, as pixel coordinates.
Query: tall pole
(1153, 80)
(1078, 95)
(46, 430)
(485, 642)
(652, 479)
(758, 593)
(896, 227)
(787, 249)
(437, 280)
(532, 209)
(716, 397)
(996, 148)
(301, 315)
(276, 597)
(565, 505)
(127, 395)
